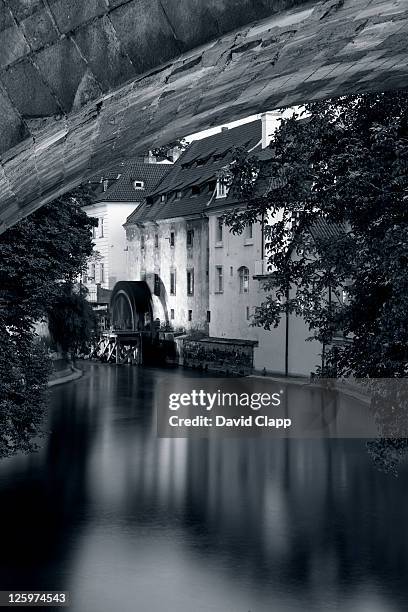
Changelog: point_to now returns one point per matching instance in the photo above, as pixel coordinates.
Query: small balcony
(263, 268)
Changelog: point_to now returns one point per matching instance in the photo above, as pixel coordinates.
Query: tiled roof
(134, 170)
(322, 229)
(198, 166)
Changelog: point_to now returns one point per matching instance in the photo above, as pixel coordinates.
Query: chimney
(150, 158)
(268, 127)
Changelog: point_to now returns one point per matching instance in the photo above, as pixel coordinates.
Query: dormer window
(163, 197)
(195, 190)
(222, 188)
(178, 195)
(138, 185)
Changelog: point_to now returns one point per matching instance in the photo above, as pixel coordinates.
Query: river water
(129, 522)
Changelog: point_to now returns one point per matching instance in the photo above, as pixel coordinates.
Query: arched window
(243, 279)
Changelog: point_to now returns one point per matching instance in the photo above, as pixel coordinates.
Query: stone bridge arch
(86, 84)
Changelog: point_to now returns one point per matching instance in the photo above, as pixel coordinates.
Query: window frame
(221, 189)
(173, 282)
(219, 230)
(243, 274)
(190, 281)
(190, 238)
(219, 279)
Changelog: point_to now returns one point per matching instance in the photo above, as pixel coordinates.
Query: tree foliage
(38, 257)
(333, 200)
(71, 319)
(165, 151)
(332, 195)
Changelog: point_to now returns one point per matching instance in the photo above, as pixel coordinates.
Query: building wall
(117, 213)
(229, 308)
(144, 262)
(111, 246)
(101, 246)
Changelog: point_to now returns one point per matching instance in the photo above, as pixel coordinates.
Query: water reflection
(127, 521)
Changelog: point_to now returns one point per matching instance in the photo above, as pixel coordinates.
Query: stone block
(106, 56)
(63, 68)
(196, 22)
(69, 14)
(12, 128)
(35, 98)
(39, 29)
(22, 9)
(13, 45)
(146, 34)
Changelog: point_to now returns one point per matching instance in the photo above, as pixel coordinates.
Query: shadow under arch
(131, 301)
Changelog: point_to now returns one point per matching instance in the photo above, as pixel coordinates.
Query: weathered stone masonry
(84, 84)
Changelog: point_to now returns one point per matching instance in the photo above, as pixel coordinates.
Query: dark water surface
(130, 522)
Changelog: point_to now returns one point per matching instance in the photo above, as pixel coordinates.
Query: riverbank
(67, 373)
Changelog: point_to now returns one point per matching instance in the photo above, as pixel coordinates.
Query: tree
(333, 200)
(332, 195)
(165, 152)
(71, 319)
(38, 257)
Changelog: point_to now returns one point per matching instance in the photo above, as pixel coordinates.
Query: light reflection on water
(130, 522)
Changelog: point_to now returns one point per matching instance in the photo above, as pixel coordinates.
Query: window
(138, 185)
(163, 198)
(249, 234)
(172, 314)
(178, 195)
(195, 190)
(102, 273)
(190, 238)
(156, 241)
(157, 285)
(172, 239)
(219, 280)
(172, 283)
(218, 229)
(247, 313)
(190, 282)
(84, 278)
(243, 279)
(93, 273)
(101, 227)
(190, 315)
(142, 241)
(105, 185)
(208, 316)
(231, 271)
(222, 188)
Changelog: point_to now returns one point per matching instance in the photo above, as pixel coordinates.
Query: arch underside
(106, 89)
